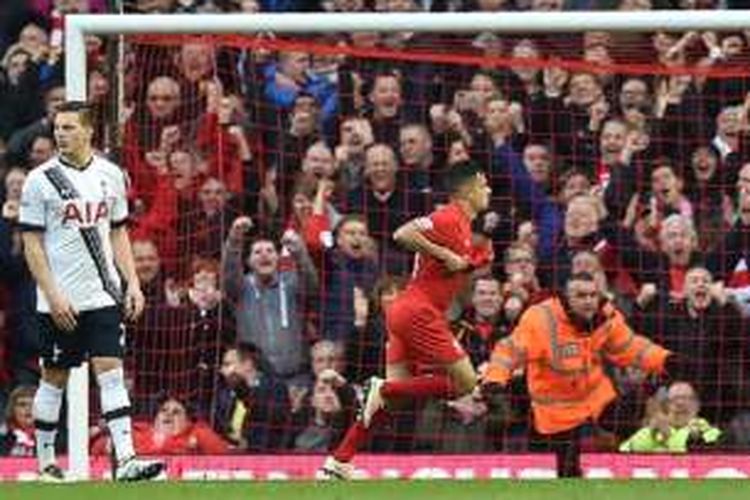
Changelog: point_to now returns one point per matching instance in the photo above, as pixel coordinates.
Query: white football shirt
(76, 209)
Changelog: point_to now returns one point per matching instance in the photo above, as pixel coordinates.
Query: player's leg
(431, 342)
(338, 464)
(46, 410)
(105, 338)
(60, 351)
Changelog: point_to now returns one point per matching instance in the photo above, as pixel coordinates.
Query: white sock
(46, 412)
(116, 411)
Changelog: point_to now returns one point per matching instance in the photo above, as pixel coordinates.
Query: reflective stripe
(545, 400)
(549, 315)
(518, 353)
(556, 362)
(622, 347)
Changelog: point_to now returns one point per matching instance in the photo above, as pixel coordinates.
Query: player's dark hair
(456, 176)
(81, 108)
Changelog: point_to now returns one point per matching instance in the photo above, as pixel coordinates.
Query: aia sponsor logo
(80, 213)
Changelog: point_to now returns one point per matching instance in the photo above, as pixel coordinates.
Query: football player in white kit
(73, 214)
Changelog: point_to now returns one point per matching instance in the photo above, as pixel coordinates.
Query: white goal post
(77, 26)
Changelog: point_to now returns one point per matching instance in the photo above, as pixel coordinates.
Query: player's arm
(61, 310)
(123, 253)
(413, 237)
(32, 220)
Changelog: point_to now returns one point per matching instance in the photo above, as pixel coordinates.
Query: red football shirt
(449, 227)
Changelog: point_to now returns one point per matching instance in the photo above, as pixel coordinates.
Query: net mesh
(618, 155)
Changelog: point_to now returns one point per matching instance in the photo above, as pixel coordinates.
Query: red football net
(618, 155)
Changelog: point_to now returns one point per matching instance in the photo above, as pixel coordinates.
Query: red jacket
(197, 439)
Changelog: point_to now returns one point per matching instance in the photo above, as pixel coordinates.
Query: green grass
(389, 490)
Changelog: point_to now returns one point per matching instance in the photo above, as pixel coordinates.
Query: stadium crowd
(267, 181)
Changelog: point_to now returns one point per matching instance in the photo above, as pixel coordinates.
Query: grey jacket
(270, 315)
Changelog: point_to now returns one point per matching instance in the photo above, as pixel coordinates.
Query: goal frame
(79, 25)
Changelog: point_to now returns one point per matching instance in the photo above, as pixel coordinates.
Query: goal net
(619, 155)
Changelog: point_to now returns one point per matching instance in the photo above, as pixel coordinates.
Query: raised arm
(297, 248)
(231, 261)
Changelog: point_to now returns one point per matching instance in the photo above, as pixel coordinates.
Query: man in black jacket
(706, 328)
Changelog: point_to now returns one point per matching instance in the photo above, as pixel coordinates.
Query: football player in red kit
(423, 358)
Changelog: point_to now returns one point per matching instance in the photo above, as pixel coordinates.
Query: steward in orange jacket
(563, 344)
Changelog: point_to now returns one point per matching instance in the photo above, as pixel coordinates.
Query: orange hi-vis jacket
(565, 365)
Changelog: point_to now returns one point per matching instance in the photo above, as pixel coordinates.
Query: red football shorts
(419, 334)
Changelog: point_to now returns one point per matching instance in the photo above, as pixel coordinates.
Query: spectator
(173, 432)
(366, 352)
(731, 258)
(318, 161)
(349, 264)
(288, 147)
(328, 413)
(222, 141)
(713, 210)
(481, 323)
(207, 327)
(666, 198)
(151, 132)
(634, 95)
(355, 136)
(148, 267)
(387, 201)
(149, 336)
(538, 162)
(177, 182)
(521, 287)
(23, 337)
(269, 313)
(678, 250)
(201, 229)
(42, 149)
(705, 326)
(673, 426)
(21, 140)
(581, 231)
(253, 408)
(385, 112)
(419, 170)
(17, 431)
(290, 75)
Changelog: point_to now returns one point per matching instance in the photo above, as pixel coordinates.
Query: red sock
(355, 437)
(422, 387)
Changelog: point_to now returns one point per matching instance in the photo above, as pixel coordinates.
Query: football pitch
(390, 490)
